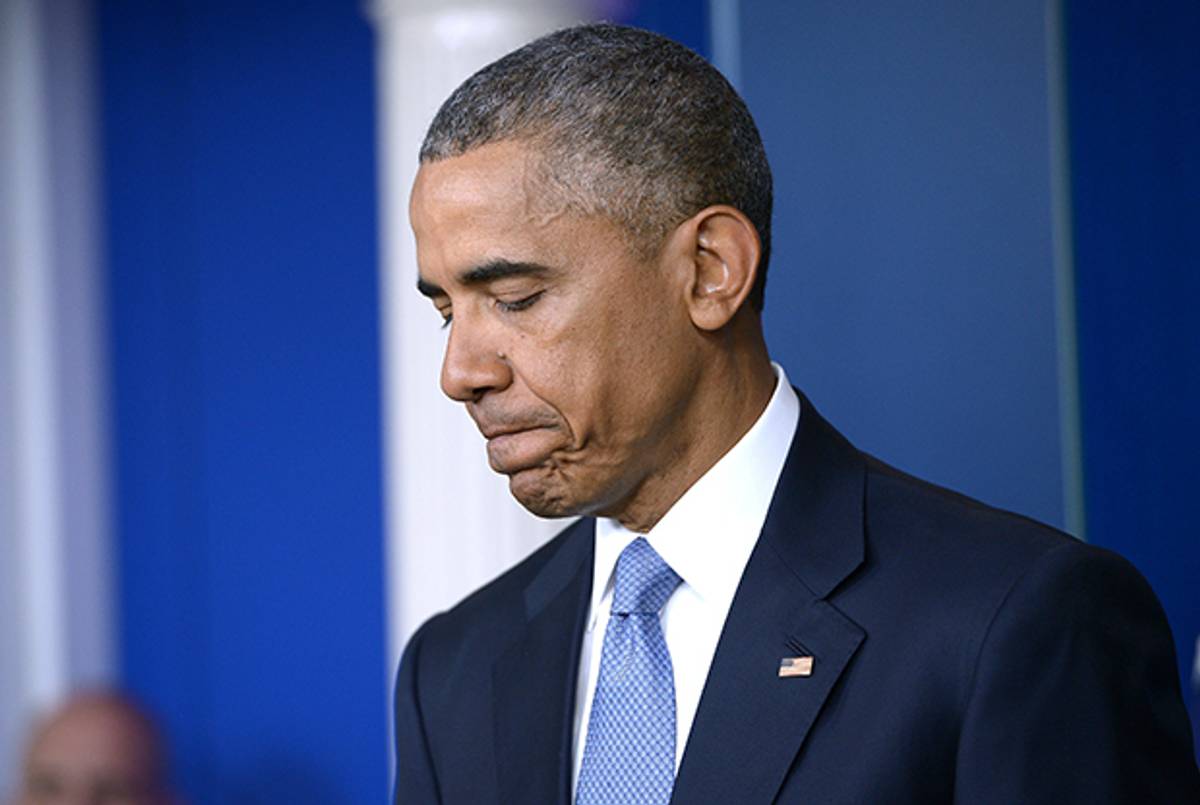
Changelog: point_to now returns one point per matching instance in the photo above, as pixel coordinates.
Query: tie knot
(644, 580)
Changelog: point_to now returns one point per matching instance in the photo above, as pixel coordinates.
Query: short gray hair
(628, 124)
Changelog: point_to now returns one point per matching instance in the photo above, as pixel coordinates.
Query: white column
(55, 588)
(451, 522)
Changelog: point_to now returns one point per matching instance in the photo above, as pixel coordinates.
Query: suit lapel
(533, 681)
(751, 723)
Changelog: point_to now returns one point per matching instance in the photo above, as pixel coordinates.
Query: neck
(730, 395)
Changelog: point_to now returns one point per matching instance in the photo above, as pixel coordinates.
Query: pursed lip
(514, 446)
(490, 433)
(495, 424)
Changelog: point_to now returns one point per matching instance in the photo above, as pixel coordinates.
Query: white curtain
(55, 588)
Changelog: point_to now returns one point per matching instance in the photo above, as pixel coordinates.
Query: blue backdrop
(239, 154)
(1134, 107)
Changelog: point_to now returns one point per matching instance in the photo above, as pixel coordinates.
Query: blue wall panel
(911, 292)
(1134, 108)
(239, 160)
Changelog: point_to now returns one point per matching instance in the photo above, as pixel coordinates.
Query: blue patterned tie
(629, 757)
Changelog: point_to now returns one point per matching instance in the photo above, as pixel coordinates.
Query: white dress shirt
(706, 538)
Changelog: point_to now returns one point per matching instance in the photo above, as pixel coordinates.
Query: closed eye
(519, 304)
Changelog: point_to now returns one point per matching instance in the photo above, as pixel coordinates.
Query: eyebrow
(488, 272)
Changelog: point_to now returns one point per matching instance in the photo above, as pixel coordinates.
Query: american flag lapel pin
(796, 666)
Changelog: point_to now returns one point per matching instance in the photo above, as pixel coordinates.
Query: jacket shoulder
(958, 565)
(901, 508)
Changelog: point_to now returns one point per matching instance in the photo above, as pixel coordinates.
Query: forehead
(487, 203)
(459, 178)
(493, 181)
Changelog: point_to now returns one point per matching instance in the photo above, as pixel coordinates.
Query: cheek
(566, 374)
(600, 355)
(610, 381)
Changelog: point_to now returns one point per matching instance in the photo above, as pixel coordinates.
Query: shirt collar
(707, 536)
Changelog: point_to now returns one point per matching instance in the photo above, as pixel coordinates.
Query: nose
(473, 364)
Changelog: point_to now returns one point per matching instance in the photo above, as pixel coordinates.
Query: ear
(724, 250)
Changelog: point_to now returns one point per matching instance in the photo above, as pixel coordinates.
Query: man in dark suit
(750, 610)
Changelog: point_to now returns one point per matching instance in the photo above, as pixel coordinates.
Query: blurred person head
(96, 749)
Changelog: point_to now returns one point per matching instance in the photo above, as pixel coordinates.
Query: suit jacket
(961, 654)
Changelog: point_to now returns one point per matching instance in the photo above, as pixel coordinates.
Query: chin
(543, 494)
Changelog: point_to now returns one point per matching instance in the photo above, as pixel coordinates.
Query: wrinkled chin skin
(537, 491)
(536, 476)
(566, 486)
